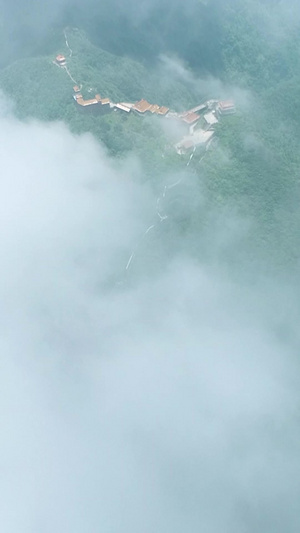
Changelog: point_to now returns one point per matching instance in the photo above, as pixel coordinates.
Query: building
(198, 109)
(60, 60)
(199, 138)
(76, 89)
(184, 146)
(142, 106)
(86, 103)
(77, 96)
(226, 107)
(92, 103)
(210, 119)
(105, 101)
(123, 107)
(162, 111)
(190, 118)
(96, 104)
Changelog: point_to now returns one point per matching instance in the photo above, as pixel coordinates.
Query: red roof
(142, 106)
(84, 103)
(163, 110)
(60, 58)
(226, 104)
(190, 118)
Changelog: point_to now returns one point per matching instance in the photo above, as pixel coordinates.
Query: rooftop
(226, 104)
(190, 118)
(154, 108)
(202, 137)
(211, 118)
(190, 141)
(123, 107)
(162, 110)
(85, 103)
(142, 106)
(200, 107)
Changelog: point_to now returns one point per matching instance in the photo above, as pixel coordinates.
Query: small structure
(97, 103)
(127, 104)
(77, 96)
(92, 102)
(226, 107)
(162, 111)
(60, 60)
(212, 104)
(198, 109)
(123, 107)
(104, 101)
(184, 146)
(142, 106)
(199, 138)
(76, 89)
(190, 118)
(210, 119)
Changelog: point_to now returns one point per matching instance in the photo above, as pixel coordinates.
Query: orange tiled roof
(153, 108)
(85, 103)
(190, 118)
(226, 104)
(142, 106)
(162, 110)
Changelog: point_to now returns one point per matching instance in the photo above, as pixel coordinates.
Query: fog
(145, 386)
(157, 400)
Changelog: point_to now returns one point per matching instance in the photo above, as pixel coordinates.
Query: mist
(166, 401)
(148, 382)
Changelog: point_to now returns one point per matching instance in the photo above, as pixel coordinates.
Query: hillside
(42, 90)
(252, 172)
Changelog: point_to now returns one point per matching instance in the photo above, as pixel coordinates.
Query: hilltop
(254, 167)
(41, 90)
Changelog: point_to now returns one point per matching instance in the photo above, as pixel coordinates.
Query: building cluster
(97, 101)
(143, 107)
(200, 120)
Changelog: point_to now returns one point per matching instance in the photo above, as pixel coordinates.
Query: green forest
(245, 50)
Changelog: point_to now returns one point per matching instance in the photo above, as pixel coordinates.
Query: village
(199, 122)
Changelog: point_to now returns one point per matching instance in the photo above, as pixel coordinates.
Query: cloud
(158, 400)
(209, 86)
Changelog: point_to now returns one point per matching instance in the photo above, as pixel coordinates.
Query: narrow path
(67, 43)
(161, 215)
(70, 75)
(138, 245)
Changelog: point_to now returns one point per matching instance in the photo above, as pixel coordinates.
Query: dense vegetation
(42, 90)
(251, 45)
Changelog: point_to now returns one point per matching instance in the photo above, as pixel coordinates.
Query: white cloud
(209, 86)
(162, 404)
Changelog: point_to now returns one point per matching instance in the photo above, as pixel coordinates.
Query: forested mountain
(248, 50)
(149, 287)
